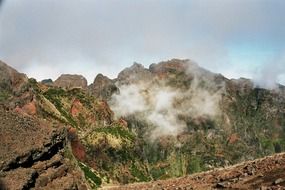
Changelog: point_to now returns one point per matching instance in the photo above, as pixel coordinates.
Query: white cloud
(106, 36)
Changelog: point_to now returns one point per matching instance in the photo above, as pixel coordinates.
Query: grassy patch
(138, 173)
(157, 173)
(117, 131)
(4, 95)
(94, 180)
(194, 165)
(54, 95)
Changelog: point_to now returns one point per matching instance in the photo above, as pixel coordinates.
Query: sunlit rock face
(68, 81)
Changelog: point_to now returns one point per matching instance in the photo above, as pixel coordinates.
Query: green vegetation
(140, 175)
(194, 165)
(4, 95)
(92, 178)
(83, 97)
(117, 131)
(55, 95)
(157, 173)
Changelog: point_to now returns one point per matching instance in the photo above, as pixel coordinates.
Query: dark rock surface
(31, 154)
(47, 82)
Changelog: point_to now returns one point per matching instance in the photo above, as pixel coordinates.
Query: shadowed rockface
(32, 155)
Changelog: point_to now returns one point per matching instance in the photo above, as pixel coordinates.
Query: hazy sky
(239, 38)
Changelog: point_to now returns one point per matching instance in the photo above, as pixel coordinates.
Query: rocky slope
(32, 155)
(266, 173)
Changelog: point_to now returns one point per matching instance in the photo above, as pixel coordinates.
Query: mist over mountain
(171, 119)
(103, 95)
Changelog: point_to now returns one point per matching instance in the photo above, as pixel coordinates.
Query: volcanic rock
(134, 74)
(10, 79)
(68, 81)
(31, 150)
(103, 87)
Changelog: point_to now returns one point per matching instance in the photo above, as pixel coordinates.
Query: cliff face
(11, 81)
(68, 81)
(103, 87)
(32, 155)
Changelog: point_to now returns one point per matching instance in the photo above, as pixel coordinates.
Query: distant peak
(71, 81)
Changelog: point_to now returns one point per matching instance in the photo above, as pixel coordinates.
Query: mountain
(68, 81)
(187, 119)
(169, 120)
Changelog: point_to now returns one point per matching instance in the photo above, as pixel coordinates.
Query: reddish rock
(123, 122)
(76, 107)
(233, 138)
(30, 108)
(106, 113)
(78, 149)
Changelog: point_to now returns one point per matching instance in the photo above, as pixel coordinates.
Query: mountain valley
(170, 120)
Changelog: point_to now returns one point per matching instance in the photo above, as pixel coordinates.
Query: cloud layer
(46, 38)
(166, 108)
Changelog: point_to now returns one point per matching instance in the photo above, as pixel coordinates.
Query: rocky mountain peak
(10, 79)
(134, 74)
(170, 65)
(103, 87)
(69, 81)
(48, 82)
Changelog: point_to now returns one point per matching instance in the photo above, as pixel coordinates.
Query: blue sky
(238, 38)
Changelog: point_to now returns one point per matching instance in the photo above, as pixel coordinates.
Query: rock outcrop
(11, 81)
(134, 74)
(32, 155)
(103, 87)
(68, 81)
(173, 65)
(47, 82)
